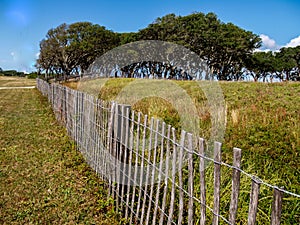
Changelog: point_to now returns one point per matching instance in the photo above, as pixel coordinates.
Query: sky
(24, 23)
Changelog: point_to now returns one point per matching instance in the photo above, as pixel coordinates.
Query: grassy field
(262, 119)
(16, 82)
(43, 178)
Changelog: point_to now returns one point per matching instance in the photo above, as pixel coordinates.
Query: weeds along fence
(159, 177)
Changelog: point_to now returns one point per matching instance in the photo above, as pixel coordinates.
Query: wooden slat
(129, 182)
(154, 168)
(124, 149)
(217, 182)
(253, 201)
(137, 216)
(110, 148)
(116, 155)
(236, 174)
(148, 171)
(173, 176)
(160, 174)
(136, 165)
(276, 207)
(190, 180)
(166, 181)
(202, 182)
(180, 179)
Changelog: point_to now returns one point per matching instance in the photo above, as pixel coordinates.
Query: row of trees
(281, 65)
(14, 73)
(11, 73)
(228, 50)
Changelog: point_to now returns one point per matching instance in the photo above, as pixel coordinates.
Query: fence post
(125, 135)
(202, 182)
(110, 148)
(160, 175)
(173, 176)
(130, 181)
(253, 201)
(120, 133)
(138, 131)
(148, 171)
(237, 154)
(217, 182)
(276, 207)
(180, 178)
(154, 167)
(139, 204)
(190, 180)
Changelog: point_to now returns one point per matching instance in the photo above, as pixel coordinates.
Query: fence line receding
(155, 175)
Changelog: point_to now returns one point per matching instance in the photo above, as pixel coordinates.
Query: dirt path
(24, 87)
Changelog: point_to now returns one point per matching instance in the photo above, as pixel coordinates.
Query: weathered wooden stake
(253, 201)
(217, 182)
(236, 174)
(276, 207)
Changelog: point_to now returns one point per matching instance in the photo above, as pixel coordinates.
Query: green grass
(43, 178)
(262, 119)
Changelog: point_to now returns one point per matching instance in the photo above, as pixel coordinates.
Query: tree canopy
(72, 48)
(230, 51)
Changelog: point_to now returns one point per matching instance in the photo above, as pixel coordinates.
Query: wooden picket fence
(155, 175)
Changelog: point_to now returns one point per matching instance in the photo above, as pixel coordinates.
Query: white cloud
(263, 50)
(268, 43)
(294, 42)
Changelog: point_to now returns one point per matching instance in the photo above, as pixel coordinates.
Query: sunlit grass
(16, 82)
(262, 119)
(43, 178)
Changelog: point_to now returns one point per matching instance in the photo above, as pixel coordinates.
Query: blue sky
(24, 23)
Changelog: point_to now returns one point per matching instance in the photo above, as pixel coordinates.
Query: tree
(72, 48)
(126, 38)
(225, 47)
(261, 64)
(233, 46)
(288, 60)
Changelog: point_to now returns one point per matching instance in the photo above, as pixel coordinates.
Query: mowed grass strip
(16, 82)
(43, 178)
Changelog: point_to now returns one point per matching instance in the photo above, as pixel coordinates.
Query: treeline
(11, 73)
(14, 73)
(230, 52)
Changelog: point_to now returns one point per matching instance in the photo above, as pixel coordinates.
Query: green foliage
(32, 75)
(223, 46)
(72, 48)
(283, 65)
(12, 73)
(227, 49)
